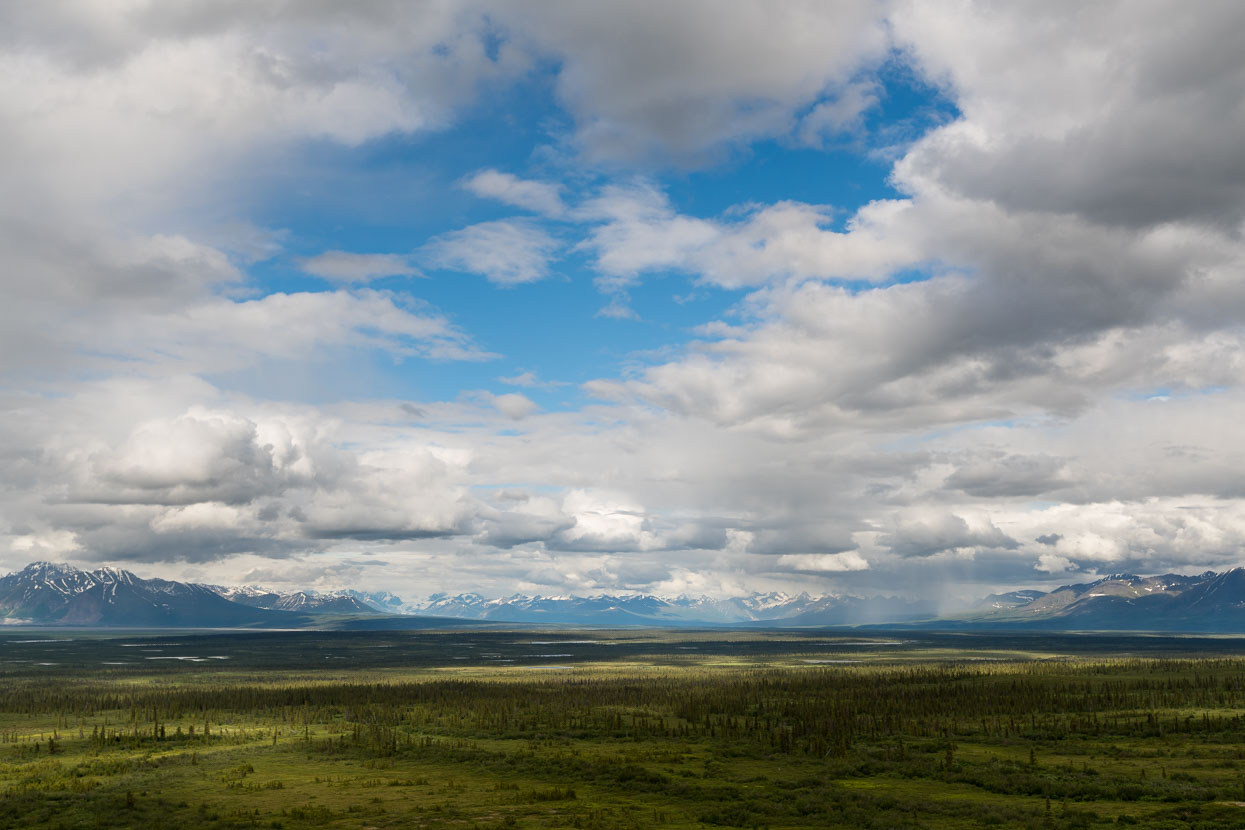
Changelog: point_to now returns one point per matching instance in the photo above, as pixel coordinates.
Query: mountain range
(46, 593)
(762, 609)
(1207, 602)
(311, 602)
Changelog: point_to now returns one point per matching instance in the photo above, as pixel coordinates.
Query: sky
(709, 298)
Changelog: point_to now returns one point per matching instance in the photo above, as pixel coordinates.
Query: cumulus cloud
(1050, 313)
(604, 521)
(824, 562)
(636, 231)
(522, 518)
(171, 97)
(211, 483)
(678, 83)
(1024, 363)
(926, 535)
(197, 458)
(1052, 563)
(507, 251)
(540, 197)
(1062, 135)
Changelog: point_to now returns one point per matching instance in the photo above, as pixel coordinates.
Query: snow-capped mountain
(1206, 602)
(51, 594)
(310, 602)
(383, 601)
(602, 609)
(1011, 599)
(645, 609)
(45, 593)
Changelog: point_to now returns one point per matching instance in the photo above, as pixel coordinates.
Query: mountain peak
(110, 574)
(50, 568)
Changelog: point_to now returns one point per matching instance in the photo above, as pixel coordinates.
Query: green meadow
(632, 729)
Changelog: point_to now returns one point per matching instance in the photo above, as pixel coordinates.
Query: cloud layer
(1022, 363)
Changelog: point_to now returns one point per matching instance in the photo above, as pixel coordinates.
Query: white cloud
(1069, 242)
(1052, 564)
(636, 231)
(539, 197)
(202, 515)
(216, 335)
(604, 521)
(618, 309)
(343, 266)
(199, 457)
(507, 252)
(530, 380)
(844, 114)
(171, 100)
(824, 562)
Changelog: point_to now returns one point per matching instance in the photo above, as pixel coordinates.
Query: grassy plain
(634, 729)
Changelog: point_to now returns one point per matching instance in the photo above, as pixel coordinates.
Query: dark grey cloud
(119, 540)
(369, 533)
(679, 84)
(1008, 475)
(1144, 140)
(797, 535)
(937, 533)
(507, 530)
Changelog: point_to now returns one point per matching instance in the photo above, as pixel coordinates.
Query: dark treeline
(814, 711)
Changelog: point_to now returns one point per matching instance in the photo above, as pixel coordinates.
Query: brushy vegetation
(761, 731)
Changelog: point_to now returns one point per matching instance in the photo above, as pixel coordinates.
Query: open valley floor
(621, 728)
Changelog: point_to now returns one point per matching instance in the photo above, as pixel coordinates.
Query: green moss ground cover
(619, 729)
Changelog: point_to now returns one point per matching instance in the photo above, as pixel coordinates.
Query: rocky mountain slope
(49, 594)
(45, 593)
(1209, 602)
(310, 602)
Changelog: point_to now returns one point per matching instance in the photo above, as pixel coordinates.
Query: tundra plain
(621, 728)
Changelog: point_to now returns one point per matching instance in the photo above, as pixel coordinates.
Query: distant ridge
(50, 594)
(337, 602)
(45, 593)
(1208, 602)
(768, 609)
